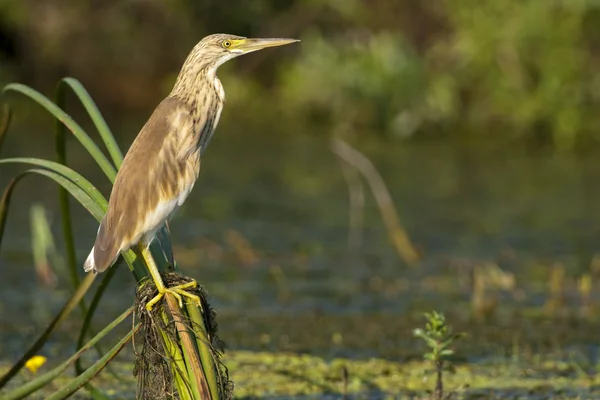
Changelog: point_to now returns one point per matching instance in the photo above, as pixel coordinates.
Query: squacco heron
(162, 165)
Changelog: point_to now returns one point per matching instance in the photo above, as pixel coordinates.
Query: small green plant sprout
(439, 338)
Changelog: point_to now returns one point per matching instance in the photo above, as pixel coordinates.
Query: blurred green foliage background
(515, 71)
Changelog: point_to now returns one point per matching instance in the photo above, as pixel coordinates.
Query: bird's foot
(178, 292)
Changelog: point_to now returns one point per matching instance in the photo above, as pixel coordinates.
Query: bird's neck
(203, 93)
(199, 85)
(212, 76)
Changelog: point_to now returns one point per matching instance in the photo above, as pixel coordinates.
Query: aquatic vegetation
(285, 375)
(439, 338)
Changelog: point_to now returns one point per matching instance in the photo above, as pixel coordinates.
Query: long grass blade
(87, 322)
(92, 371)
(81, 196)
(203, 344)
(177, 367)
(47, 260)
(137, 267)
(65, 207)
(62, 315)
(198, 384)
(5, 203)
(76, 185)
(69, 122)
(5, 117)
(92, 110)
(84, 185)
(40, 381)
(75, 191)
(67, 173)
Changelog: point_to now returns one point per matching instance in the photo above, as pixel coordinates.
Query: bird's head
(216, 49)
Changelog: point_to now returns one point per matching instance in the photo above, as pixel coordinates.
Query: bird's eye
(226, 43)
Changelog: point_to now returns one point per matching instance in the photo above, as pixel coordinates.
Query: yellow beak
(258, 44)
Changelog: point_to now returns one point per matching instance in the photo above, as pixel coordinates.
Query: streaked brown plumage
(163, 162)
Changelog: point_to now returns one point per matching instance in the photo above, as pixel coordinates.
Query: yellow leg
(176, 291)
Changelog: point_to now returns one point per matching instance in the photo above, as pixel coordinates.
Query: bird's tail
(90, 265)
(104, 253)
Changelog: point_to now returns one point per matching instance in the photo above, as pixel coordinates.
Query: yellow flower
(34, 363)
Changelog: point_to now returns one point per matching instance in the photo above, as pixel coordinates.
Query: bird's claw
(178, 292)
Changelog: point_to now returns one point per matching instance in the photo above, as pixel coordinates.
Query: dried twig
(356, 159)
